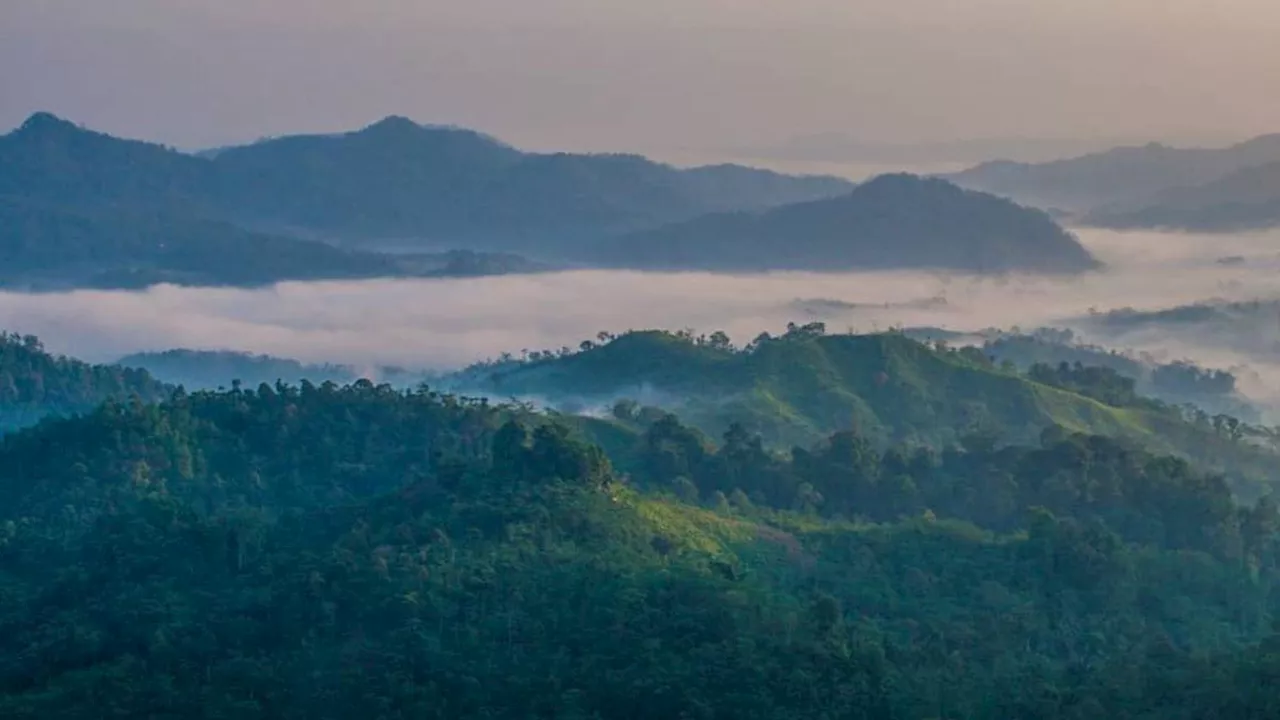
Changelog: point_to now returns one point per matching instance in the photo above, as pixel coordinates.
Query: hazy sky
(648, 75)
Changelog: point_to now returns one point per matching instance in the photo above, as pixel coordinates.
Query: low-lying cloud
(441, 324)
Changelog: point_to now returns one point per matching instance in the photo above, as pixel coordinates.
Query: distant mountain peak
(899, 180)
(393, 124)
(46, 122)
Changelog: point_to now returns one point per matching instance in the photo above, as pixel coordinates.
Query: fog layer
(441, 324)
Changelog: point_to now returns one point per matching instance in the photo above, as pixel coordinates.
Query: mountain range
(1133, 176)
(1244, 200)
(84, 208)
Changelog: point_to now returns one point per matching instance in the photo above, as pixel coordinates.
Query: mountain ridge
(398, 183)
(1244, 200)
(893, 221)
(1124, 174)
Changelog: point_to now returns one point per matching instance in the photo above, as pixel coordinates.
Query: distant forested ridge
(893, 221)
(48, 247)
(35, 384)
(214, 369)
(210, 370)
(1120, 176)
(81, 208)
(1246, 326)
(1179, 382)
(341, 553)
(84, 208)
(1247, 199)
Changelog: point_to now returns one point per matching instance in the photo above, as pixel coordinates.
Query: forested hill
(892, 221)
(35, 384)
(339, 553)
(801, 386)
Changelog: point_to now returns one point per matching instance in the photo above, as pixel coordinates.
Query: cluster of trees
(1100, 383)
(343, 552)
(1144, 498)
(34, 384)
(1177, 383)
(799, 386)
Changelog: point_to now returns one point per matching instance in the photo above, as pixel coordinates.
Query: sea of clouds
(442, 324)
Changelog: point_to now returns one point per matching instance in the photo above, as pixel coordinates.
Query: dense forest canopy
(339, 552)
(35, 384)
(800, 386)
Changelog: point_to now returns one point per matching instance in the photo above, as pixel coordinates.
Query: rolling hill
(893, 221)
(1120, 175)
(800, 387)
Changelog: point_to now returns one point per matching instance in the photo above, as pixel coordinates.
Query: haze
(675, 78)
(444, 324)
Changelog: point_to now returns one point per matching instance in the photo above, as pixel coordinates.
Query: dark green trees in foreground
(324, 552)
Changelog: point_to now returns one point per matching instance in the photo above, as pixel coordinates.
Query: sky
(658, 76)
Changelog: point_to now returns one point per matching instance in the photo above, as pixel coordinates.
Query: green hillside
(35, 384)
(325, 552)
(798, 388)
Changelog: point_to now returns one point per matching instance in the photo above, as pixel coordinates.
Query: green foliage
(1176, 383)
(358, 552)
(798, 388)
(35, 384)
(1145, 499)
(1100, 383)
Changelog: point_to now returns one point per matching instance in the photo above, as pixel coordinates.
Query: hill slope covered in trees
(799, 387)
(35, 384)
(355, 552)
